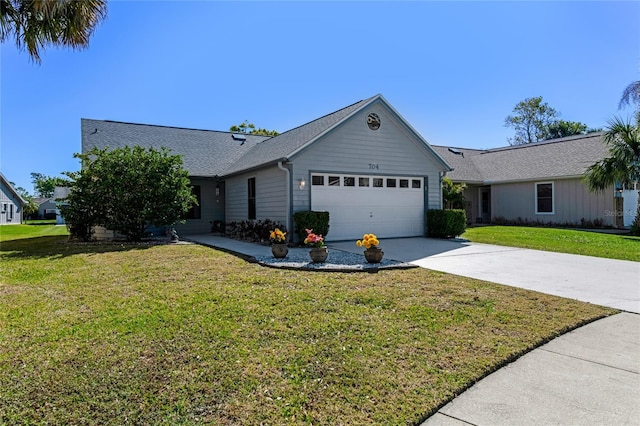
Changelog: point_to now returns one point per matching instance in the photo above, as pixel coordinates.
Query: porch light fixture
(302, 184)
(217, 189)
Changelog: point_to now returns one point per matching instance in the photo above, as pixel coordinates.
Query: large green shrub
(128, 190)
(446, 223)
(318, 221)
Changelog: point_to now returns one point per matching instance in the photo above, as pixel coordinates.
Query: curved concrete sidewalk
(590, 376)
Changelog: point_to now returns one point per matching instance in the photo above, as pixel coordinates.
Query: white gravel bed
(338, 260)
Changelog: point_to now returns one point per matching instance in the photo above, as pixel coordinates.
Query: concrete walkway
(590, 376)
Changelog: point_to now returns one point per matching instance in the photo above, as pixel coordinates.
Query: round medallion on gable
(373, 121)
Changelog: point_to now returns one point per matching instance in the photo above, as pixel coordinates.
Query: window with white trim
(544, 198)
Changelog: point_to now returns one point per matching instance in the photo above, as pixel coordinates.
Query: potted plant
(279, 247)
(319, 251)
(372, 252)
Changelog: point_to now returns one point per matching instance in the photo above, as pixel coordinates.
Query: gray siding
(354, 148)
(9, 205)
(572, 202)
(271, 197)
(211, 208)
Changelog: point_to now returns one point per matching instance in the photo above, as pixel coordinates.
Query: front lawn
(167, 334)
(34, 230)
(588, 243)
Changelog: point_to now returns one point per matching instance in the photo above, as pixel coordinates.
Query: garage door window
(404, 183)
(415, 183)
(349, 181)
(378, 182)
(317, 180)
(391, 183)
(334, 180)
(363, 181)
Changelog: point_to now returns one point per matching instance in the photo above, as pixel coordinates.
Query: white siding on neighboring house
(572, 202)
(630, 204)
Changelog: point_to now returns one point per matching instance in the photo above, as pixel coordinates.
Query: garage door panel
(387, 212)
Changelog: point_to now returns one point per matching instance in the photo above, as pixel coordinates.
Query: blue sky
(454, 70)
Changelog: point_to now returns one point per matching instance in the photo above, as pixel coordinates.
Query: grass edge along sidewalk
(101, 333)
(573, 241)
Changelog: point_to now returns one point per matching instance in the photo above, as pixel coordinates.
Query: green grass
(34, 230)
(588, 243)
(183, 334)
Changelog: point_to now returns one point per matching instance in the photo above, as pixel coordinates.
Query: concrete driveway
(606, 282)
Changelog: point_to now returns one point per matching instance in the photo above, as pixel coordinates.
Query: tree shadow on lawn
(57, 247)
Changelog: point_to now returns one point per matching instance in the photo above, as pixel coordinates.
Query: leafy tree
(534, 121)
(129, 189)
(622, 166)
(562, 129)
(531, 119)
(452, 193)
(250, 128)
(45, 185)
(34, 24)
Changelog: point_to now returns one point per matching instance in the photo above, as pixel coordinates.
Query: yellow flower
(368, 241)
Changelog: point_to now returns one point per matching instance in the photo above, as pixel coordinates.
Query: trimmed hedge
(318, 221)
(446, 223)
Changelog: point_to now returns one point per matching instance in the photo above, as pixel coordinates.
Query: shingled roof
(281, 147)
(212, 153)
(556, 158)
(205, 153)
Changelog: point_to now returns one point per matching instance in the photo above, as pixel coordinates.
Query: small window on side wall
(544, 198)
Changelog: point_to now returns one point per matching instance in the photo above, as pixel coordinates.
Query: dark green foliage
(317, 221)
(252, 230)
(44, 185)
(452, 193)
(519, 221)
(446, 223)
(129, 189)
(250, 128)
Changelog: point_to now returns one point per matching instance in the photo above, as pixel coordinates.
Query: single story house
(364, 164)
(538, 183)
(46, 207)
(10, 203)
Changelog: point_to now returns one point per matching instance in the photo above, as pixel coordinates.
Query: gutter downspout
(288, 191)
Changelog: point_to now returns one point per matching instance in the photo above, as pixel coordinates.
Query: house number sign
(373, 166)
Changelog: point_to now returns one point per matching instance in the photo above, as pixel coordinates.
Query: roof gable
(5, 183)
(288, 144)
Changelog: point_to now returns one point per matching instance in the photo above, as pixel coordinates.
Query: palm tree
(631, 95)
(36, 23)
(623, 164)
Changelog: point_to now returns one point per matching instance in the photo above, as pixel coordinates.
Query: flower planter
(373, 254)
(279, 250)
(319, 254)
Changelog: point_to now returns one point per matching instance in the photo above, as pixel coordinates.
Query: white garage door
(388, 206)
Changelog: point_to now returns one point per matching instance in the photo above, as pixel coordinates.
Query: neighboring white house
(364, 164)
(10, 203)
(538, 182)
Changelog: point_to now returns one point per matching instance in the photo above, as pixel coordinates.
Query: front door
(485, 204)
